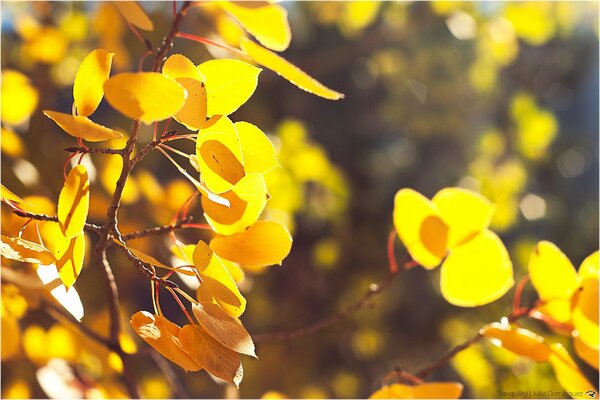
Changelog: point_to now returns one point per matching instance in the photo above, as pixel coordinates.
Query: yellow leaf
(147, 96)
(585, 312)
(218, 286)
(88, 88)
(264, 243)
(477, 272)
(433, 390)
(420, 228)
(193, 113)
(518, 340)
(465, 213)
(163, 336)
(287, 70)
(134, 14)
(111, 170)
(74, 202)
(258, 151)
(12, 144)
(202, 255)
(554, 278)
(589, 267)
(247, 200)
(179, 66)
(69, 253)
(567, 373)
(215, 358)
(78, 126)
(268, 23)
(25, 251)
(6, 194)
(219, 156)
(229, 84)
(68, 298)
(226, 329)
(20, 98)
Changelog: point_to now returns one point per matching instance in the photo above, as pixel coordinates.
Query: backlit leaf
(147, 96)
(74, 202)
(163, 336)
(267, 23)
(193, 113)
(465, 213)
(88, 88)
(226, 329)
(6, 194)
(215, 358)
(585, 312)
(218, 286)
(585, 352)
(68, 298)
(258, 151)
(264, 243)
(420, 228)
(25, 251)
(202, 255)
(83, 127)
(229, 84)
(477, 272)
(289, 71)
(69, 253)
(518, 340)
(179, 66)
(134, 14)
(434, 390)
(554, 278)
(567, 373)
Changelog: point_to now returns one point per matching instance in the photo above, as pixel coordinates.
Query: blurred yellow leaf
(585, 312)
(258, 151)
(567, 373)
(74, 202)
(134, 14)
(147, 96)
(163, 336)
(179, 66)
(11, 143)
(20, 98)
(477, 272)
(434, 390)
(266, 22)
(88, 88)
(111, 170)
(11, 337)
(585, 352)
(6, 194)
(229, 84)
(202, 255)
(25, 251)
(215, 358)
(226, 329)
(518, 340)
(78, 126)
(287, 70)
(264, 243)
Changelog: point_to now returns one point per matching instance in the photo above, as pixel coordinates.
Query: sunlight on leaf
(134, 14)
(25, 251)
(78, 126)
(179, 66)
(433, 390)
(193, 113)
(20, 98)
(74, 202)
(68, 298)
(585, 352)
(202, 255)
(518, 340)
(88, 88)
(568, 374)
(258, 151)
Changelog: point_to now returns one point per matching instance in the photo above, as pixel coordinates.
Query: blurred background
(498, 97)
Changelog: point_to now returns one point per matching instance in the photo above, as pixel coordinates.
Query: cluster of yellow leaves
(452, 227)
(430, 390)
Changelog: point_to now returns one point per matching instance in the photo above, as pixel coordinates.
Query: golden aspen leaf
(226, 329)
(69, 253)
(163, 336)
(6, 194)
(289, 71)
(477, 272)
(134, 14)
(234, 269)
(12, 144)
(420, 228)
(433, 390)
(585, 352)
(215, 358)
(74, 202)
(88, 88)
(193, 113)
(258, 151)
(267, 23)
(247, 200)
(554, 278)
(589, 268)
(567, 373)
(20, 98)
(179, 66)
(585, 312)
(229, 84)
(202, 255)
(218, 286)
(264, 243)
(68, 298)
(465, 213)
(23, 250)
(82, 127)
(147, 96)
(219, 156)
(518, 340)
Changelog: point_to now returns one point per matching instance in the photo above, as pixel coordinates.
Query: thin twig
(44, 217)
(157, 230)
(89, 150)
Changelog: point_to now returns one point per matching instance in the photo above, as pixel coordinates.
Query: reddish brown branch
(44, 217)
(157, 230)
(90, 150)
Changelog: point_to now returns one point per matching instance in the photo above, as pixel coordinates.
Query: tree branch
(90, 150)
(43, 217)
(157, 230)
(374, 290)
